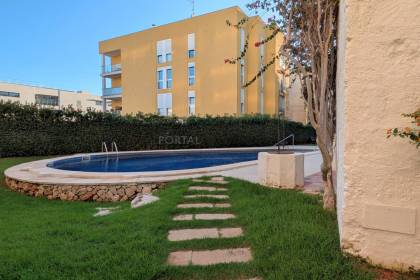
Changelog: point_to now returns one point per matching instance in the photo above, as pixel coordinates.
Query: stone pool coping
(37, 179)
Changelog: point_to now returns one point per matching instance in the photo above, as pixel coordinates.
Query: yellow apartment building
(179, 68)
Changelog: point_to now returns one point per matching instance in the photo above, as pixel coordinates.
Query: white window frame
(169, 80)
(191, 45)
(160, 82)
(164, 104)
(164, 51)
(191, 78)
(191, 106)
(164, 77)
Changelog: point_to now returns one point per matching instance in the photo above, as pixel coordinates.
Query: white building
(49, 97)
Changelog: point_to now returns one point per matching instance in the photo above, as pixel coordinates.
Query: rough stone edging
(117, 192)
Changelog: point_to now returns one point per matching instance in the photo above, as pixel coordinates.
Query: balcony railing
(111, 68)
(112, 91)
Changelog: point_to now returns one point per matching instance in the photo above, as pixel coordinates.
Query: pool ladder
(114, 147)
(281, 143)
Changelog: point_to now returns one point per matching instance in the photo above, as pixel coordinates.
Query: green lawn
(290, 235)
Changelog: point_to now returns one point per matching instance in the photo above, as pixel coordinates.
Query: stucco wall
(295, 107)
(378, 179)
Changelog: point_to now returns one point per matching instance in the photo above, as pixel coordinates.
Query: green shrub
(26, 130)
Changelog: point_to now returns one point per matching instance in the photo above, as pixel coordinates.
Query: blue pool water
(153, 161)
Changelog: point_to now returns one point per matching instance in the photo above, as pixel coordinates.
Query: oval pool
(146, 162)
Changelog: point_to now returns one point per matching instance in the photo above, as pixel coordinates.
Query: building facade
(179, 68)
(49, 97)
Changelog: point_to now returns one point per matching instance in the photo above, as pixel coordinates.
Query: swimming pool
(120, 177)
(147, 162)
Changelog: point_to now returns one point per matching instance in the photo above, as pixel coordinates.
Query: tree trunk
(329, 194)
(326, 169)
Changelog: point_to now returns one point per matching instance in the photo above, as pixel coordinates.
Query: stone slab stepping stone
(210, 257)
(203, 205)
(214, 216)
(204, 216)
(208, 189)
(210, 181)
(188, 217)
(216, 196)
(202, 233)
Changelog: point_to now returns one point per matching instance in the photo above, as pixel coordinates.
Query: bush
(26, 130)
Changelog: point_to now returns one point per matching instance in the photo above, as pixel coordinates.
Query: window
(9, 94)
(41, 99)
(98, 103)
(191, 74)
(242, 101)
(164, 77)
(191, 45)
(160, 79)
(169, 78)
(191, 53)
(168, 57)
(164, 104)
(191, 103)
(164, 51)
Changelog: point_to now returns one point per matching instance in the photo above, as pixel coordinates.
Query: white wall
(378, 178)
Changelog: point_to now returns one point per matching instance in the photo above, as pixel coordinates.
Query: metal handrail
(284, 139)
(104, 148)
(114, 145)
(109, 68)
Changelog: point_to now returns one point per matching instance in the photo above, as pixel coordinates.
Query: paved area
(207, 257)
(314, 184)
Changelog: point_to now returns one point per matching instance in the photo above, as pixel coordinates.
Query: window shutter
(160, 47)
(191, 41)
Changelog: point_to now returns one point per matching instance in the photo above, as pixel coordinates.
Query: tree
(309, 30)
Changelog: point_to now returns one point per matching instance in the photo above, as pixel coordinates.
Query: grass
(291, 237)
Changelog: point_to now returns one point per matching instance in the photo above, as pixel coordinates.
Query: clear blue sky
(55, 42)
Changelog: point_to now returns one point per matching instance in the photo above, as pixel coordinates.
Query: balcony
(112, 92)
(111, 69)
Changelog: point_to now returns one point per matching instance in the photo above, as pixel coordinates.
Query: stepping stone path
(208, 189)
(207, 257)
(216, 196)
(217, 180)
(210, 216)
(201, 233)
(204, 205)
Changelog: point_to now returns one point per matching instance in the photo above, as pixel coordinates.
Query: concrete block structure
(281, 170)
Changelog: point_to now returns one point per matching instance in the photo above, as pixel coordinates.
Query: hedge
(26, 130)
